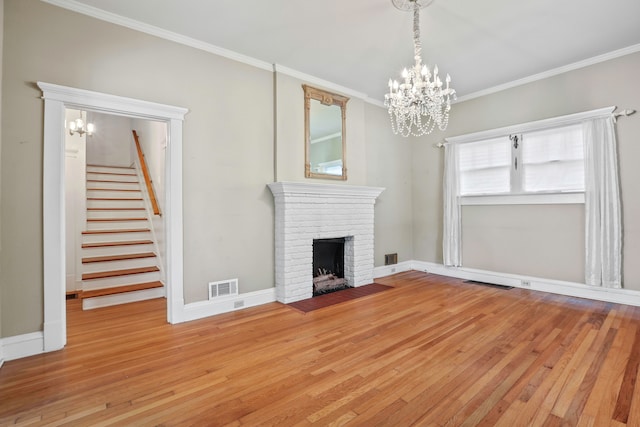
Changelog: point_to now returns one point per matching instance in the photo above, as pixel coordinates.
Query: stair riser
(115, 204)
(109, 300)
(130, 279)
(110, 169)
(117, 214)
(111, 194)
(108, 177)
(114, 185)
(115, 225)
(94, 267)
(116, 250)
(115, 237)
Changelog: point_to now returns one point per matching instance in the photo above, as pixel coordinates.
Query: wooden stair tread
(122, 257)
(128, 230)
(112, 180)
(93, 165)
(116, 273)
(114, 189)
(115, 219)
(120, 289)
(112, 173)
(109, 244)
(114, 199)
(115, 209)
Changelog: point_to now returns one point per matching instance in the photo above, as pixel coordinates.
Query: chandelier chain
(421, 101)
(417, 44)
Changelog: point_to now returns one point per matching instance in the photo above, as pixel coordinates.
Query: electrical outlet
(393, 270)
(238, 304)
(525, 283)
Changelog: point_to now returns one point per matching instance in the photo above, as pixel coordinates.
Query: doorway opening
(56, 100)
(114, 199)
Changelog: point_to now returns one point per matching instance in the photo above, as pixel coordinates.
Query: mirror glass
(325, 134)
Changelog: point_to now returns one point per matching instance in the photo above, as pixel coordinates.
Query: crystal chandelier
(78, 126)
(420, 102)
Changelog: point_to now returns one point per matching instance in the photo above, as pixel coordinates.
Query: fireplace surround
(305, 212)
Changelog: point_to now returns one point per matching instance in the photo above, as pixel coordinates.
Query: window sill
(524, 199)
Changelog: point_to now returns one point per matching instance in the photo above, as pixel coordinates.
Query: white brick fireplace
(305, 212)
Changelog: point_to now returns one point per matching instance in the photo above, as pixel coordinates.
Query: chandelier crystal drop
(420, 102)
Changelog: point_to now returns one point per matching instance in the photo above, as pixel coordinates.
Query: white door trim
(56, 99)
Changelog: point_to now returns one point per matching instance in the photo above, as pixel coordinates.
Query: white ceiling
(360, 44)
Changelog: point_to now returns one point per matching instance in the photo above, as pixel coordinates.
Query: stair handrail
(147, 176)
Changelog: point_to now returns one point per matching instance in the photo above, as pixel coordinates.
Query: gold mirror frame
(325, 98)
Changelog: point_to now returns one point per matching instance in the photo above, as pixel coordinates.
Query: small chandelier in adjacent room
(78, 126)
(419, 103)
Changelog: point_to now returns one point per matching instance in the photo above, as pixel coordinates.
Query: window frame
(551, 197)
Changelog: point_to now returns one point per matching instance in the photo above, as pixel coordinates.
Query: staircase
(119, 263)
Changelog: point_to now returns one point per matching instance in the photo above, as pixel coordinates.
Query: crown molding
(113, 18)
(553, 72)
(318, 81)
(133, 24)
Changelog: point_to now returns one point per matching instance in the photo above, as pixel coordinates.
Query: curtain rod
(623, 113)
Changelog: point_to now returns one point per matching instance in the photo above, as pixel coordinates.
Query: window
(553, 160)
(546, 161)
(485, 167)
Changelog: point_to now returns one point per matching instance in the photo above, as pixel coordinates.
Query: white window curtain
(603, 263)
(451, 239)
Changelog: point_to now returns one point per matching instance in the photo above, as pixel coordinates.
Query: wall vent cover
(390, 259)
(223, 288)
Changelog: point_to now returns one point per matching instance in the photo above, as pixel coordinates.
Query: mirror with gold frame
(325, 134)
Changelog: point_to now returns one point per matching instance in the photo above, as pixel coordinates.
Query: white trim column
(55, 331)
(173, 213)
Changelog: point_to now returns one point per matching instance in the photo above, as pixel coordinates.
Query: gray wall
(112, 142)
(389, 160)
(525, 239)
(550, 238)
(228, 149)
(228, 211)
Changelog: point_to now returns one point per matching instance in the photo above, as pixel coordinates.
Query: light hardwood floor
(431, 351)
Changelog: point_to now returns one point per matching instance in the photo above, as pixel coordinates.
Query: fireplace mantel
(305, 212)
(301, 188)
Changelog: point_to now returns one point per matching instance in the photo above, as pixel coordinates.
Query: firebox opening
(328, 266)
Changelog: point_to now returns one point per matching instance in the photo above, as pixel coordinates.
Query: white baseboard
(580, 290)
(20, 346)
(201, 309)
(387, 270)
